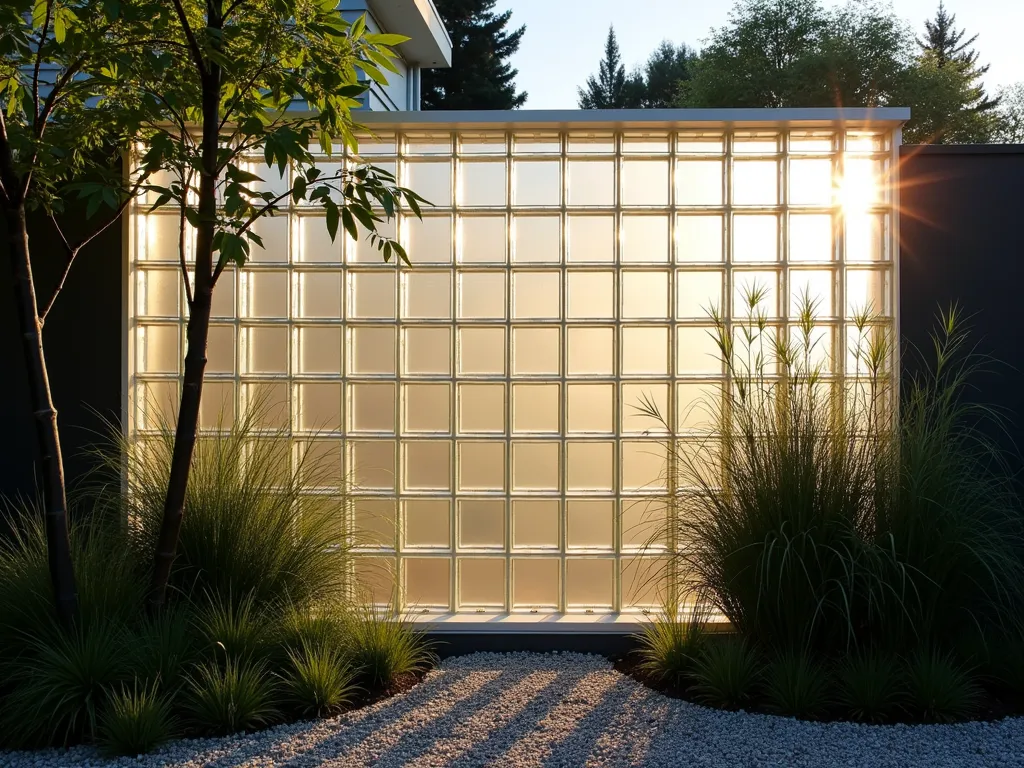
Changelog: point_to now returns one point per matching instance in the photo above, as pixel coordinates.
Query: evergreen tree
(666, 69)
(480, 76)
(612, 88)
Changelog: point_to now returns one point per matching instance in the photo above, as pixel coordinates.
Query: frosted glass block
(315, 241)
(158, 404)
(591, 182)
(810, 142)
(591, 295)
(377, 144)
(645, 239)
(372, 294)
(699, 238)
(755, 238)
(536, 239)
(643, 524)
(269, 404)
(216, 410)
(220, 349)
(645, 182)
(427, 144)
(273, 230)
(536, 295)
(427, 582)
(371, 407)
(272, 177)
(755, 143)
(372, 464)
(267, 294)
(320, 350)
(535, 408)
(430, 180)
(698, 406)
(481, 466)
(862, 185)
(637, 399)
(811, 289)
(591, 143)
(755, 182)
(157, 292)
(482, 143)
(375, 522)
(590, 408)
(160, 241)
(535, 582)
(810, 238)
(375, 580)
(482, 523)
(535, 466)
(536, 143)
(645, 143)
(427, 351)
(427, 523)
(371, 350)
(857, 141)
(814, 349)
(427, 295)
(700, 143)
(267, 349)
(427, 407)
(481, 239)
(644, 351)
(810, 182)
(426, 465)
(364, 250)
(321, 465)
(754, 354)
(643, 582)
(590, 239)
(482, 295)
(428, 240)
(699, 182)
(319, 295)
(867, 291)
(644, 295)
(697, 351)
(481, 408)
(698, 294)
(537, 182)
(482, 184)
(591, 351)
(481, 351)
(755, 294)
(482, 582)
(867, 237)
(222, 303)
(535, 523)
(536, 351)
(590, 466)
(589, 582)
(858, 346)
(589, 523)
(643, 465)
(320, 407)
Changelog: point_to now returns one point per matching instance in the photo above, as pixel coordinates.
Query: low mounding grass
(135, 720)
(231, 697)
(727, 674)
(941, 689)
(385, 647)
(871, 687)
(318, 680)
(670, 646)
(240, 629)
(797, 685)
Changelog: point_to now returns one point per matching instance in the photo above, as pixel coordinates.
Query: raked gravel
(565, 709)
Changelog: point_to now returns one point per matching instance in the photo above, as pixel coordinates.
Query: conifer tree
(944, 44)
(611, 88)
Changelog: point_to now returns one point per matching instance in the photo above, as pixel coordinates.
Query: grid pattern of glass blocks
(481, 404)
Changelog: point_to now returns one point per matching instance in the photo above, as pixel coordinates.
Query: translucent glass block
(364, 250)
(315, 241)
(645, 182)
(644, 295)
(591, 143)
(700, 144)
(811, 289)
(375, 522)
(591, 295)
(426, 295)
(755, 293)
(699, 238)
(377, 144)
(537, 183)
(319, 407)
(638, 398)
(535, 408)
(535, 523)
(481, 465)
(481, 351)
(272, 177)
(643, 465)
(482, 582)
(371, 350)
(590, 466)
(269, 403)
(858, 348)
(490, 143)
(755, 182)
(427, 408)
(428, 240)
(810, 238)
(482, 523)
(427, 523)
(536, 351)
(372, 464)
(755, 238)
(372, 294)
(427, 143)
(699, 182)
(644, 351)
(810, 182)
(427, 582)
(223, 302)
(589, 582)
(217, 408)
(755, 143)
(814, 350)
(698, 294)
(867, 291)
(320, 350)
(321, 466)
(426, 465)
(698, 406)
(267, 294)
(590, 408)
(536, 143)
(160, 240)
(589, 523)
(266, 349)
(158, 404)
(482, 184)
(375, 580)
(319, 295)
(535, 582)
(481, 239)
(867, 237)
(371, 407)
(754, 351)
(427, 351)
(645, 143)
(863, 184)
(806, 142)
(481, 408)
(697, 351)
(536, 239)
(273, 230)
(536, 295)
(644, 584)
(590, 239)
(645, 239)
(482, 295)
(591, 351)
(431, 180)
(591, 182)
(220, 349)
(535, 466)
(157, 292)
(859, 141)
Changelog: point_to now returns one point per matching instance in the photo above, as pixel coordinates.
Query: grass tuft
(135, 721)
(727, 674)
(318, 681)
(941, 689)
(385, 647)
(871, 687)
(797, 685)
(231, 697)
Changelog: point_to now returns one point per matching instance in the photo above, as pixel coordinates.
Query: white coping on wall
(429, 44)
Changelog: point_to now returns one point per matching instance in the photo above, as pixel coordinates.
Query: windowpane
(645, 238)
(591, 182)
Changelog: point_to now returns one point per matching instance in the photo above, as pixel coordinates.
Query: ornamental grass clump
(797, 685)
(871, 687)
(727, 674)
(135, 721)
(671, 645)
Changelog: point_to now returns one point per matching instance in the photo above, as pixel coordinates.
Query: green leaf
(385, 39)
(298, 189)
(349, 223)
(332, 218)
(39, 13)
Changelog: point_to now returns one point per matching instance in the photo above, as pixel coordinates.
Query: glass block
(273, 230)
(491, 143)
(755, 293)
(589, 523)
(591, 143)
(427, 407)
(535, 408)
(757, 143)
(643, 582)
(222, 303)
(535, 523)
(481, 351)
(157, 292)
(375, 580)
(755, 238)
(319, 295)
(371, 407)
(867, 237)
(427, 523)
(426, 295)
(755, 182)
(645, 143)
(481, 408)
(220, 349)
(427, 582)
(158, 404)
(644, 295)
(372, 294)
(160, 240)
(482, 523)
(319, 407)
(754, 350)
(698, 294)
(371, 350)
(590, 239)
(320, 350)
(482, 582)
(811, 289)
(535, 466)
(372, 464)
(591, 182)
(645, 239)
(267, 294)
(378, 144)
(698, 406)
(589, 582)
(643, 524)
(315, 244)
(427, 144)
(810, 142)
(862, 184)
(810, 182)
(590, 408)
(537, 183)
(321, 465)
(267, 349)
(481, 465)
(536, 239)
(216, 410)
(699, 238)
(375, 522)
(590, 466)
(645, 182)
(591, 351)
(272, 177)
(536, 351)
(269, 404)
(432, 180)
(482, 295)
(814, 349)
(810, 238)
(591, 295)
(536, 295)
(428, 240)
(426, 465)
(644, 351)
(643, 465)
(637, 399)
(364, 250)
(536, 143)
(481, 239)
(697, 351)
(535, 583)
(859, 141)
(481, 184)
(700, 144)
(867, 291)
(699, 182)
(427, 351)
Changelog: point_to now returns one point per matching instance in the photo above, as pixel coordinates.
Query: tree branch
(186, 184)
(193, 43)
(39, 60)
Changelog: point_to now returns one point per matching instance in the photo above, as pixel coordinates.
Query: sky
(564, 39)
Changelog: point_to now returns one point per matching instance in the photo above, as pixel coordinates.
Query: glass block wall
(482, 404)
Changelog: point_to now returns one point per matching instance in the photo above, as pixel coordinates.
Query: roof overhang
(429, 44)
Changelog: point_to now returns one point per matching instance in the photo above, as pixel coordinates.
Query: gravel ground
(566, 709)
